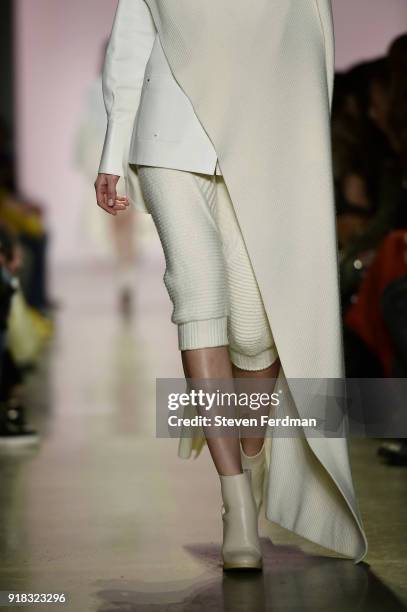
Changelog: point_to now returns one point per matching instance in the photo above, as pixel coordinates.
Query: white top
(151, 121)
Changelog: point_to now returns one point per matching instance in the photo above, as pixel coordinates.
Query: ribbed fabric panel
(322, 514)
(209, 276)
(209, 332)
(195, 269)
(253, 362)
(249, 330)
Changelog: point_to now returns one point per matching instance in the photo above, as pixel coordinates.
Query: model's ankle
(233, 472)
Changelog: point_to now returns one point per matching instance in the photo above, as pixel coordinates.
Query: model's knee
(197, 297)
(251, 339)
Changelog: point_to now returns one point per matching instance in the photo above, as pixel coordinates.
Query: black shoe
(395, 452)
(13, 428)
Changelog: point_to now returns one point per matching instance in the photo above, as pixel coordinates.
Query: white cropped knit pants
(208, 276)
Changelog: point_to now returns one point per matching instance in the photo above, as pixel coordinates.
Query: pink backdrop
(364, 28)
(58, 46)
(58, 53)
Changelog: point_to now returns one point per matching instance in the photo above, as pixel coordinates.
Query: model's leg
(251, 344)
(241, 545)
(182, 205)
(253, 445)
(213, 363)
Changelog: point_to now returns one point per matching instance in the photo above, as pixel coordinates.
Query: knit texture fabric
(208, 276)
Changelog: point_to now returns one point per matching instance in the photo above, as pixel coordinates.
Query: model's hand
(106, 194)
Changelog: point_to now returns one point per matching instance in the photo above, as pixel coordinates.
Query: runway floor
(106, 513)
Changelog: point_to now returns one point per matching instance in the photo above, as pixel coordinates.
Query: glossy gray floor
(106, 513)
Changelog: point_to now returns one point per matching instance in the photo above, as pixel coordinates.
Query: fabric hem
(202, 334)
(260, 361)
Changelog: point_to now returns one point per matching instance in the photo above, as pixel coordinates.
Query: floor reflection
(301, 582)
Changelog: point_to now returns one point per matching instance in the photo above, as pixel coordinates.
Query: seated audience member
(378, 314)
(361, 231)
(13, 428)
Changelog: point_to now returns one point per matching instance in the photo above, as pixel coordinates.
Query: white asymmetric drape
(259, 76)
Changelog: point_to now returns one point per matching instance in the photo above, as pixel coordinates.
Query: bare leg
(251, 446)
(212, 363)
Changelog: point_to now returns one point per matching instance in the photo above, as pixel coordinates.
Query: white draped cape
(259, 76)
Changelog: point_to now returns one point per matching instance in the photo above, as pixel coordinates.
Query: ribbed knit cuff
(202, 334)
(254, 362)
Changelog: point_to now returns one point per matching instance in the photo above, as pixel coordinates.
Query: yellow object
(19, 218)
(28, 331)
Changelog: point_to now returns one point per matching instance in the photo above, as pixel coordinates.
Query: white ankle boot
(241, 546)
(256, 465)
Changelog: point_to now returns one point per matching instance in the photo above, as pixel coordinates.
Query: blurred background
(85, 317)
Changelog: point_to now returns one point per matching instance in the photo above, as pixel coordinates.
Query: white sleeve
(130, 44)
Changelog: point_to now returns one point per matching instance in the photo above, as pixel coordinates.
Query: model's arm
(128, 50)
